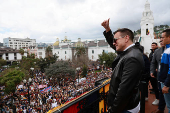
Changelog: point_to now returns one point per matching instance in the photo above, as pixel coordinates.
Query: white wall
(97, 51)
(10, 56)
(19, 56)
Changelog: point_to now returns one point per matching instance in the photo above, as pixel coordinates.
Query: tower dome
(79, 43)
(56, 43)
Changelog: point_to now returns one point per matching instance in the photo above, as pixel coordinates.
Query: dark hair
(125, 31)
(142, 48)
(167, 31)
(154, 43)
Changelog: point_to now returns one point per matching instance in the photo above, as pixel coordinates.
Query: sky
(47, 20)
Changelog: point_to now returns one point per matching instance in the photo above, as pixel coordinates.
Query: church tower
(147, 28)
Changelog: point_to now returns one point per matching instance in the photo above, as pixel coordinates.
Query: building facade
(18, 43)
(10, 55)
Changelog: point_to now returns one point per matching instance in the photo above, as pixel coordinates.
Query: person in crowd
(164, 75)
(154, 46)
(146, 73)
(153, 80)
(124, 93)
(155, 65)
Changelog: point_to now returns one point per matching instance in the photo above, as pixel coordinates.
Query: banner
(46, 89)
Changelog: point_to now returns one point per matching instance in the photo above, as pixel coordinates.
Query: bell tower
(147, 28)
(147, 21)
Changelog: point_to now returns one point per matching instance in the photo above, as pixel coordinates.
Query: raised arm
(108, 33)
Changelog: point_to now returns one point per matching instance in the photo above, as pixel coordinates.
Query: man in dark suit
(124, 93)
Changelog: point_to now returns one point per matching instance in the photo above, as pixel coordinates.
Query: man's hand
(165, 89)
(105, 24)
(152, 75)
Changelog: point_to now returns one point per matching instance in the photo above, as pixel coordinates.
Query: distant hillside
(157, 30)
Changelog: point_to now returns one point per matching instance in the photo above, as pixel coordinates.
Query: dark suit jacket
(156, 60)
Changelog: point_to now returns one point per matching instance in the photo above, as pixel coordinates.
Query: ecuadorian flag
(147, 32)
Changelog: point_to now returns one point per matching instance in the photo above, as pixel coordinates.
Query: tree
(26, 64)
(45, 62)
(85, 69)
(32, 56)
(10, 80)
(80, 51)
(81, 58)
(60, 69)
(2, 62)
(108, 58)
(21, 51)
(48, 51)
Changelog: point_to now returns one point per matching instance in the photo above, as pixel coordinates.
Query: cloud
(47, 20)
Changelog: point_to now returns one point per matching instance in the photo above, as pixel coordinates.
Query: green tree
(108, 58)
(2, 62)
(60, 69)
(32, 56)
(27, 63)
(81, 58)
(42, 64)
(84, 70)
(48, 51)
(21, 51)
(10, 80)
(45, 62)
(80, 51)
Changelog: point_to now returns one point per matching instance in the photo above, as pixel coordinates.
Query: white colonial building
(66, 49)
(10, 55)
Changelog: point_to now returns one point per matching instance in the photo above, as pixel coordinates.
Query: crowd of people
(46, 94)
(129, 67)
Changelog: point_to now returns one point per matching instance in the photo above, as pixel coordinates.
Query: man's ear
(127, 38)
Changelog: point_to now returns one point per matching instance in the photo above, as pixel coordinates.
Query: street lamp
(32, 69)
(104, 65)
(78, 69)
(28, 84)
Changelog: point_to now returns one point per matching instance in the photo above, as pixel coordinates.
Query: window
(6, 54)
(92, 51)
(65, 52)
(15, 54)
(103, 51)
(40, 53)
(58, 52)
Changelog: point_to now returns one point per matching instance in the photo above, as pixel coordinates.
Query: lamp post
(32, 69)
(78, 69)
(28, 84)
(104, 65)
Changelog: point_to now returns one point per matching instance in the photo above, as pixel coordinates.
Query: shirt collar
(167, 45)
(129, 46)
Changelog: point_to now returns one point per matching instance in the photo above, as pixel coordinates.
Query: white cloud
(45, 20)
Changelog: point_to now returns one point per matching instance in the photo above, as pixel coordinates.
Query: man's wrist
(108, 29)
(166, 86)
